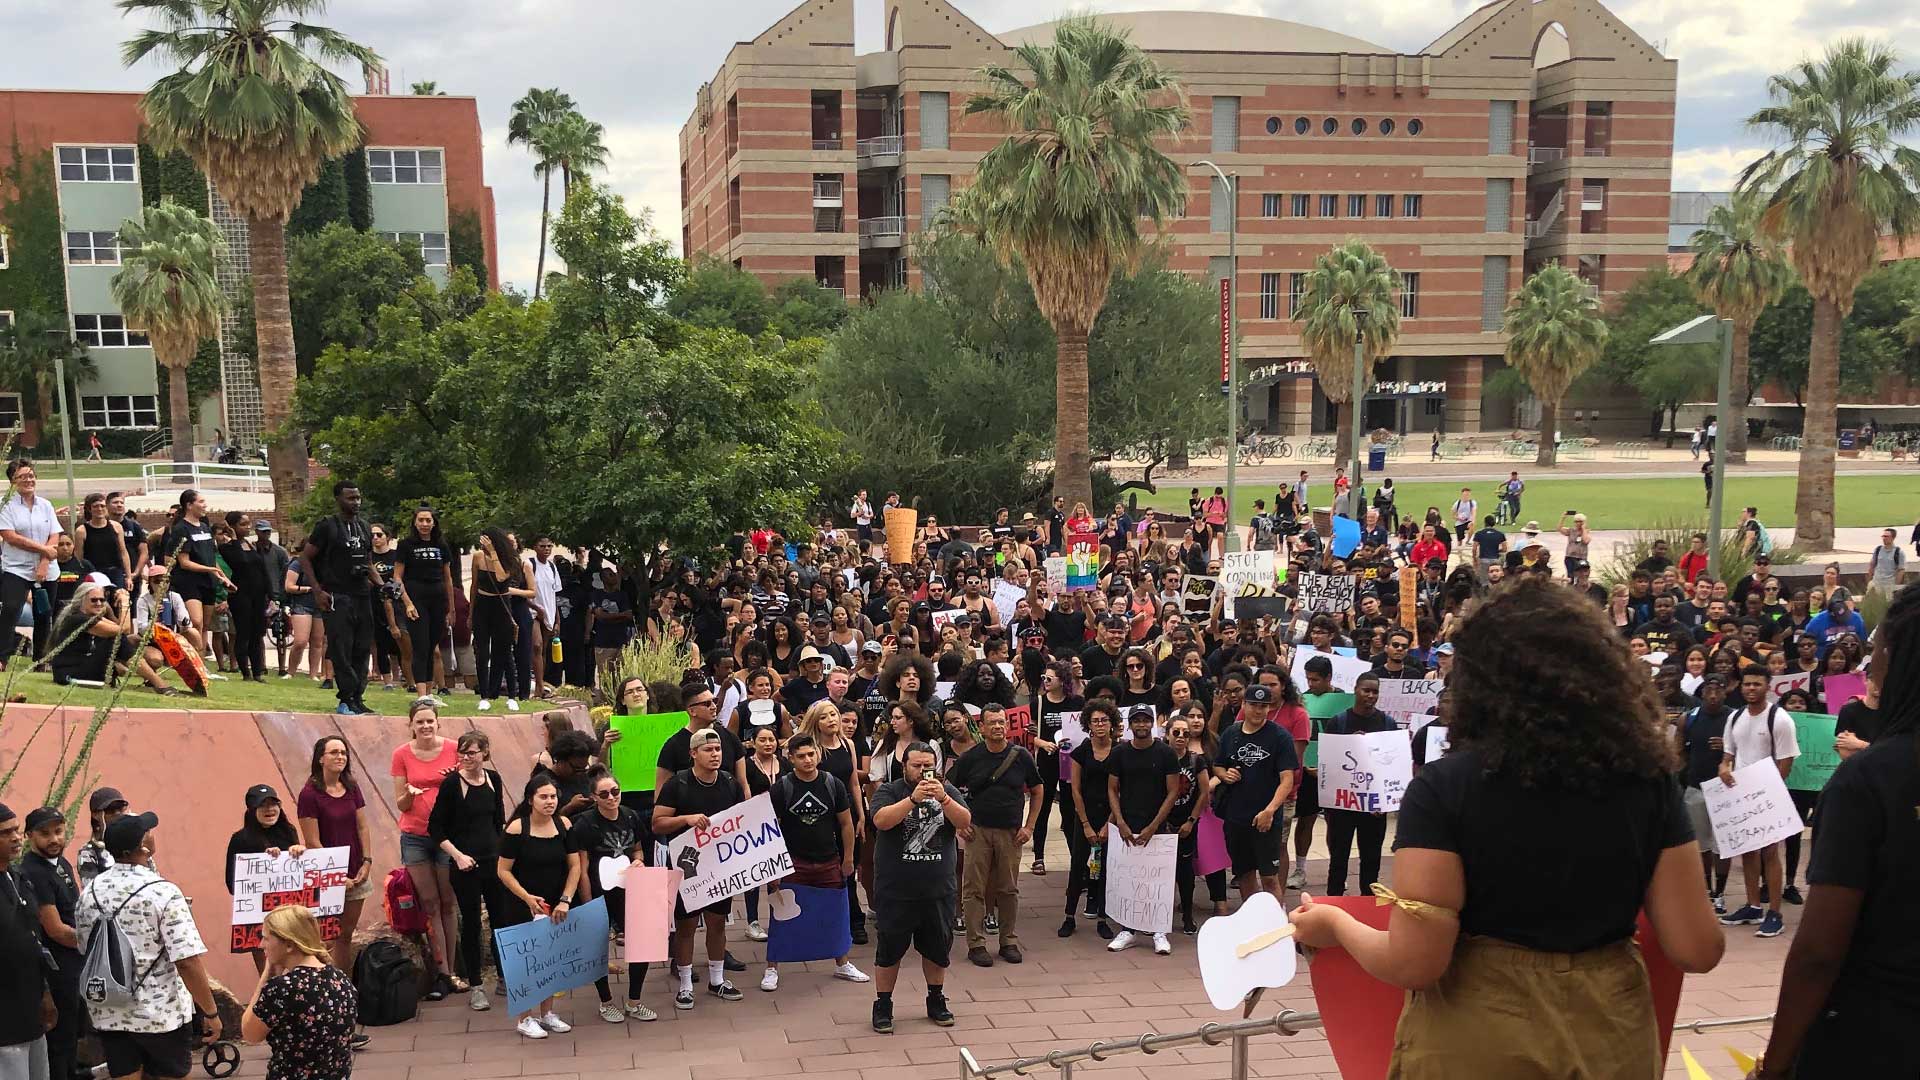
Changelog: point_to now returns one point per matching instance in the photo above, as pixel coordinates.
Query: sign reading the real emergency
(740, 849)
(317, 881)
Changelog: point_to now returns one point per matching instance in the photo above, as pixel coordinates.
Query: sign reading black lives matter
(1326, 592)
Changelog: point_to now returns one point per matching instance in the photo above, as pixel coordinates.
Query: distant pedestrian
(1706, 477)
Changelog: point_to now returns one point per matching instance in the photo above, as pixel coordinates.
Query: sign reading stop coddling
(740, 849)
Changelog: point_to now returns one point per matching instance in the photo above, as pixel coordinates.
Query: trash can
(1377, 458)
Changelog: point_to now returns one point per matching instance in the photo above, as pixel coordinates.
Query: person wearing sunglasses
(612, 831)
(91, 637)
(466, 822)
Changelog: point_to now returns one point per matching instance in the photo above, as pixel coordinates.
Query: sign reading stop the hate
(740, 849)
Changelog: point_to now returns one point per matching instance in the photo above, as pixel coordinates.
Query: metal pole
(1238, 1071)
(66, 424)
(1718, 496)
(1359, 394)
(1231, 541)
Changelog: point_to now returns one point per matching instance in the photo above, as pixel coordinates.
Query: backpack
(386, 982)
(1262, 533)
(107, 976)
(404, 912)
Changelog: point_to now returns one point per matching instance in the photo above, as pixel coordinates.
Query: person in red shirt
(1694, 562)
(761, 539)
(1426, 548)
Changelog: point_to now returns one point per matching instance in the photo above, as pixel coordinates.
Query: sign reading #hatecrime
(740, 849)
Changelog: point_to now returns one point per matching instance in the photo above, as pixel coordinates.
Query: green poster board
(634, 758)
(1817, 760)
(1322, 707)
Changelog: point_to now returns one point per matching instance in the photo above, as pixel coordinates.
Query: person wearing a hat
(686, 801)
(152, 1036)
(808, 685)
(56, 890)
(1702, 742)
(1442, 664)
(94, 640)
(27, 1007)
(1253, 773)
(1837, 621)
(103, 807)
(266, 829)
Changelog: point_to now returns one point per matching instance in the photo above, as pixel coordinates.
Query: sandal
(1040, 867)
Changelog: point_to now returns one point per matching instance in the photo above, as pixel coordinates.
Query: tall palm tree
(428, 88)
(166, 284)
(1554, 332)
(574, 145)
(1737, 271)
(1067, 189)
(1349, 295)
(1844, 171)
(255, 107)
(536, 109)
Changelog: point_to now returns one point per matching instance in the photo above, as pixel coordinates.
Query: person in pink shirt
(418, 767)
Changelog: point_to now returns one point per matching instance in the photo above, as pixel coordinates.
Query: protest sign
(1247, 950)
(1837, 690)
(1196, 596)
(1083, 561)
(1070, 735)
(1409, 700)
(651, 891)
(1006, 598)
(814, 927)
(1056, 573)
(1817, 759)
(1020, 726)
(1778, 686)
(1345, 668)
(1410, 598)
(317, 880)
(1755, 812)
(902, 524)
(1321, 707)
(1367, 772)
(1331, 593)
(544, 956)
(1249, 609)
(1436, 744)
(944, 618)
(943, 691)
(1140, 882)
(1210, 843)
(1249, 573)
(1346, 536)
(740, 849)
(636, 754)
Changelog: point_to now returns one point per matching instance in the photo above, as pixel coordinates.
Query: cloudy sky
(633, 65)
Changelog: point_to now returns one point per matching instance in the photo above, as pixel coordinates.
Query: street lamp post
(1354, 500)
(1704, 330)
(61, 341)
(1230, 386)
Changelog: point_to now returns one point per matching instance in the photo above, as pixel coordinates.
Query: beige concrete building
(1535, 131)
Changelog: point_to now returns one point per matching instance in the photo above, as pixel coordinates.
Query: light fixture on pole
(1354, 492)
(1707, 330)
(1230, 343)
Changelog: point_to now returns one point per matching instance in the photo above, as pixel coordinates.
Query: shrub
(1678, 533)
(649, 660)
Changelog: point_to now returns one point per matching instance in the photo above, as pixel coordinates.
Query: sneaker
(1187, 927)
(850, 973)
(477, 1000)
(1297, 879)
(993, 923)
(959, 924)
(1719, 904)
(979, 956)
(770, 980)
(344, 709)
(1011, 954)
(683, 1000)
(359, 1040)
(1771, 926)
(937, 1010)
(1066, 928)
(641, 1012)
(883, 1017)
(611, 1013)
(1121, 941)
(732, 964)
(1792, 895)
(553, 1023)
(1161, 946)
(755, 932)
(360, 709)
(286, 674)
(326, 684)
(1090, 911)
(513, 705)
(485, 705)
(530, 1028)
(1103, 929)
(725, 991)
(1746, 916)
(441, 987)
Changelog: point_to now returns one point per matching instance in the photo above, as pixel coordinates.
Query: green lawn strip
(298, 694)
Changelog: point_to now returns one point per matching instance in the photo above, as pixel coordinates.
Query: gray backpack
(107, 975)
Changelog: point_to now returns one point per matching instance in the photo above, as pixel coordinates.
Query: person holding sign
(1055, 702)
(1561, 770)
(1759, 732)
(1253, 773)
(1142, 787)
(684, 802)
(611, 830)
(264, 829)
(916, 818)
(1702, 735)
(332, 813)
(303, 1007)
(538, 867)
(1342, 825)
(468, 817)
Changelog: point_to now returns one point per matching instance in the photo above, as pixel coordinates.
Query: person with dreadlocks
(1852, 977)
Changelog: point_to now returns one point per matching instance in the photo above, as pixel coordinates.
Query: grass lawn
(1870, 499)
(55, 473)
(298, 694)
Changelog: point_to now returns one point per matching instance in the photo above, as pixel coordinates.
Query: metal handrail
(879, 146)
(171, 476)
(892, 225)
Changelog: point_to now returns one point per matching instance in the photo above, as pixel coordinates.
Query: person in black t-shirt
(190, 549)
(26, 998)
(916, 818)
(609, 831)
(1002, 785)
(423, 565)
(1343, 825)
(338, 549)
(1142, 788)
(816, 816)
(57, 891)
(683, 803)
(1253, 773)
(1702, 745)
(676, 754)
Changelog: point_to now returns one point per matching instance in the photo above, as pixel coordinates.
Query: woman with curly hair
(909, 676)
(1135, 670)
(1561, 769)
(981, 684)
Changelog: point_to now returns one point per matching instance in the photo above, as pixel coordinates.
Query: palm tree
(166, 284)
(427, 89)
(1554, 332)
(536, 109)
(28, 347)
(1843, 172)
(574, 145)
(1737, 271)
(1349, 296)
(1066, 192)
(255, 107)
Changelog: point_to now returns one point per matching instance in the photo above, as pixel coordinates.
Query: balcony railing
(882, 146)
(1595, 151)
(1540, 155)
(835, 143)
(875, 227)
(827, 192)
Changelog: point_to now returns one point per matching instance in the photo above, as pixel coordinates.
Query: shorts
(681, 914)
(1252, 851)
(415, 850)
(1702, 825)
(167, 1054)
(192, 586)
(1306, 801)
(925, 925)
(364, 889)
(24, 1061)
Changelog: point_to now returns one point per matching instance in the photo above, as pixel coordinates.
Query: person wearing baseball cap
(103, 806)
(1254, 771)
(265, 830)
(27, 1008)
(55, 892)
(684, 802)
(154, 1035)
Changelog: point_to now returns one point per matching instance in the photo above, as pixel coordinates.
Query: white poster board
(1006, 597)
(1755, 812)
(1140, 882)
(1346, 669)
(1778, 686)
(1411, 702)
(1247, 950)
(1327, 592)
(1071, 734)
(1436, 743)
(1368, 773)
(1246, 573)
(740, 849)
(1056, 574)
(317, 880)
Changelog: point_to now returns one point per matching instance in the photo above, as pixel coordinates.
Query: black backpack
(388, 985)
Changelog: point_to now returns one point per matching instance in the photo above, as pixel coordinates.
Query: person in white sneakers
(538, 868)
(816, 816)
(1142, 785)
(684, 802)
(1759, 732)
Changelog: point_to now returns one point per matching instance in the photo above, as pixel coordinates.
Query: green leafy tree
(1844, 172)
(255, 106)
(1349, 297)
(1737, 270)
(1665, 377)
(336, 281)
(28, 349)
(1872, 345)
(714, 294)
(802, 307)
(536, 109)
(1068, 190)
(166, 284)
(1553, 334)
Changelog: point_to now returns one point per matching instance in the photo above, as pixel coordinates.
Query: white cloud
(1711, 168)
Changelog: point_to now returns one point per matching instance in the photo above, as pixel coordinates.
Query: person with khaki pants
(1002, 786)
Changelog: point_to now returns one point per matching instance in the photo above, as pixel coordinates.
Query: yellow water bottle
(554, 654)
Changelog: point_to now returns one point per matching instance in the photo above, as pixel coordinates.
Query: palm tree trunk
(1549, 432)
(1733, 426)
(273, 351)
(1072, 457)
(1342, 434)
(180, 420)
(1813, 500)
(540, 264)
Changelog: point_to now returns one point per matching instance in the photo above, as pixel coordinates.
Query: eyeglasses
(703, 703)
(1136, 667)
(472, 751)
(610, 793)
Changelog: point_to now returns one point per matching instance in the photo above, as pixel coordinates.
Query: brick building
(1535, 131)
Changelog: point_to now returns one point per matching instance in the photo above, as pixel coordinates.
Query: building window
(120, 411)
(106, 332)
(1415, 127)
(6, 319)
(1410, 206)
(405, 167)
(1302, 205)
(1273, 125)
(935, 190)
(1356, 206)
(10, 412)
(1386, 126)
(1499, 127)
(1493, 292)
(1220, 209)
(1226, 125)
(1329, 125)
(1329, 206)
(1269, 296)
(98, 164)
(3, 249)
(1359, 125)
(1499, 204)
(1409, 296)
(1296, 288)
(1269, 206)
(93, 249)
(1383, 206)
(1301, 124)
(1434, 406)
(897, 276)
(933, 120)
(432, 245)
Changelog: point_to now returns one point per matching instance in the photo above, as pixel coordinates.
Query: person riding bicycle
(1510, 494)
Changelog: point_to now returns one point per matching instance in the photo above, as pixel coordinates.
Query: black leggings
(427, 631)
(471, 888)
(249, 611)
(1342, 825)
(636, 973)
(493, 628)
(386, 650)
(15, 592)
(1183, 875)
(1079, 881)
(1048, 792)
(1804, 802)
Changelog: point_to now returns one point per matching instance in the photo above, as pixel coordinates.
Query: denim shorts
(415, 850)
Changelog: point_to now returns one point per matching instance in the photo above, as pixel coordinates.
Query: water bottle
(554, 653)
(1095, 859)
